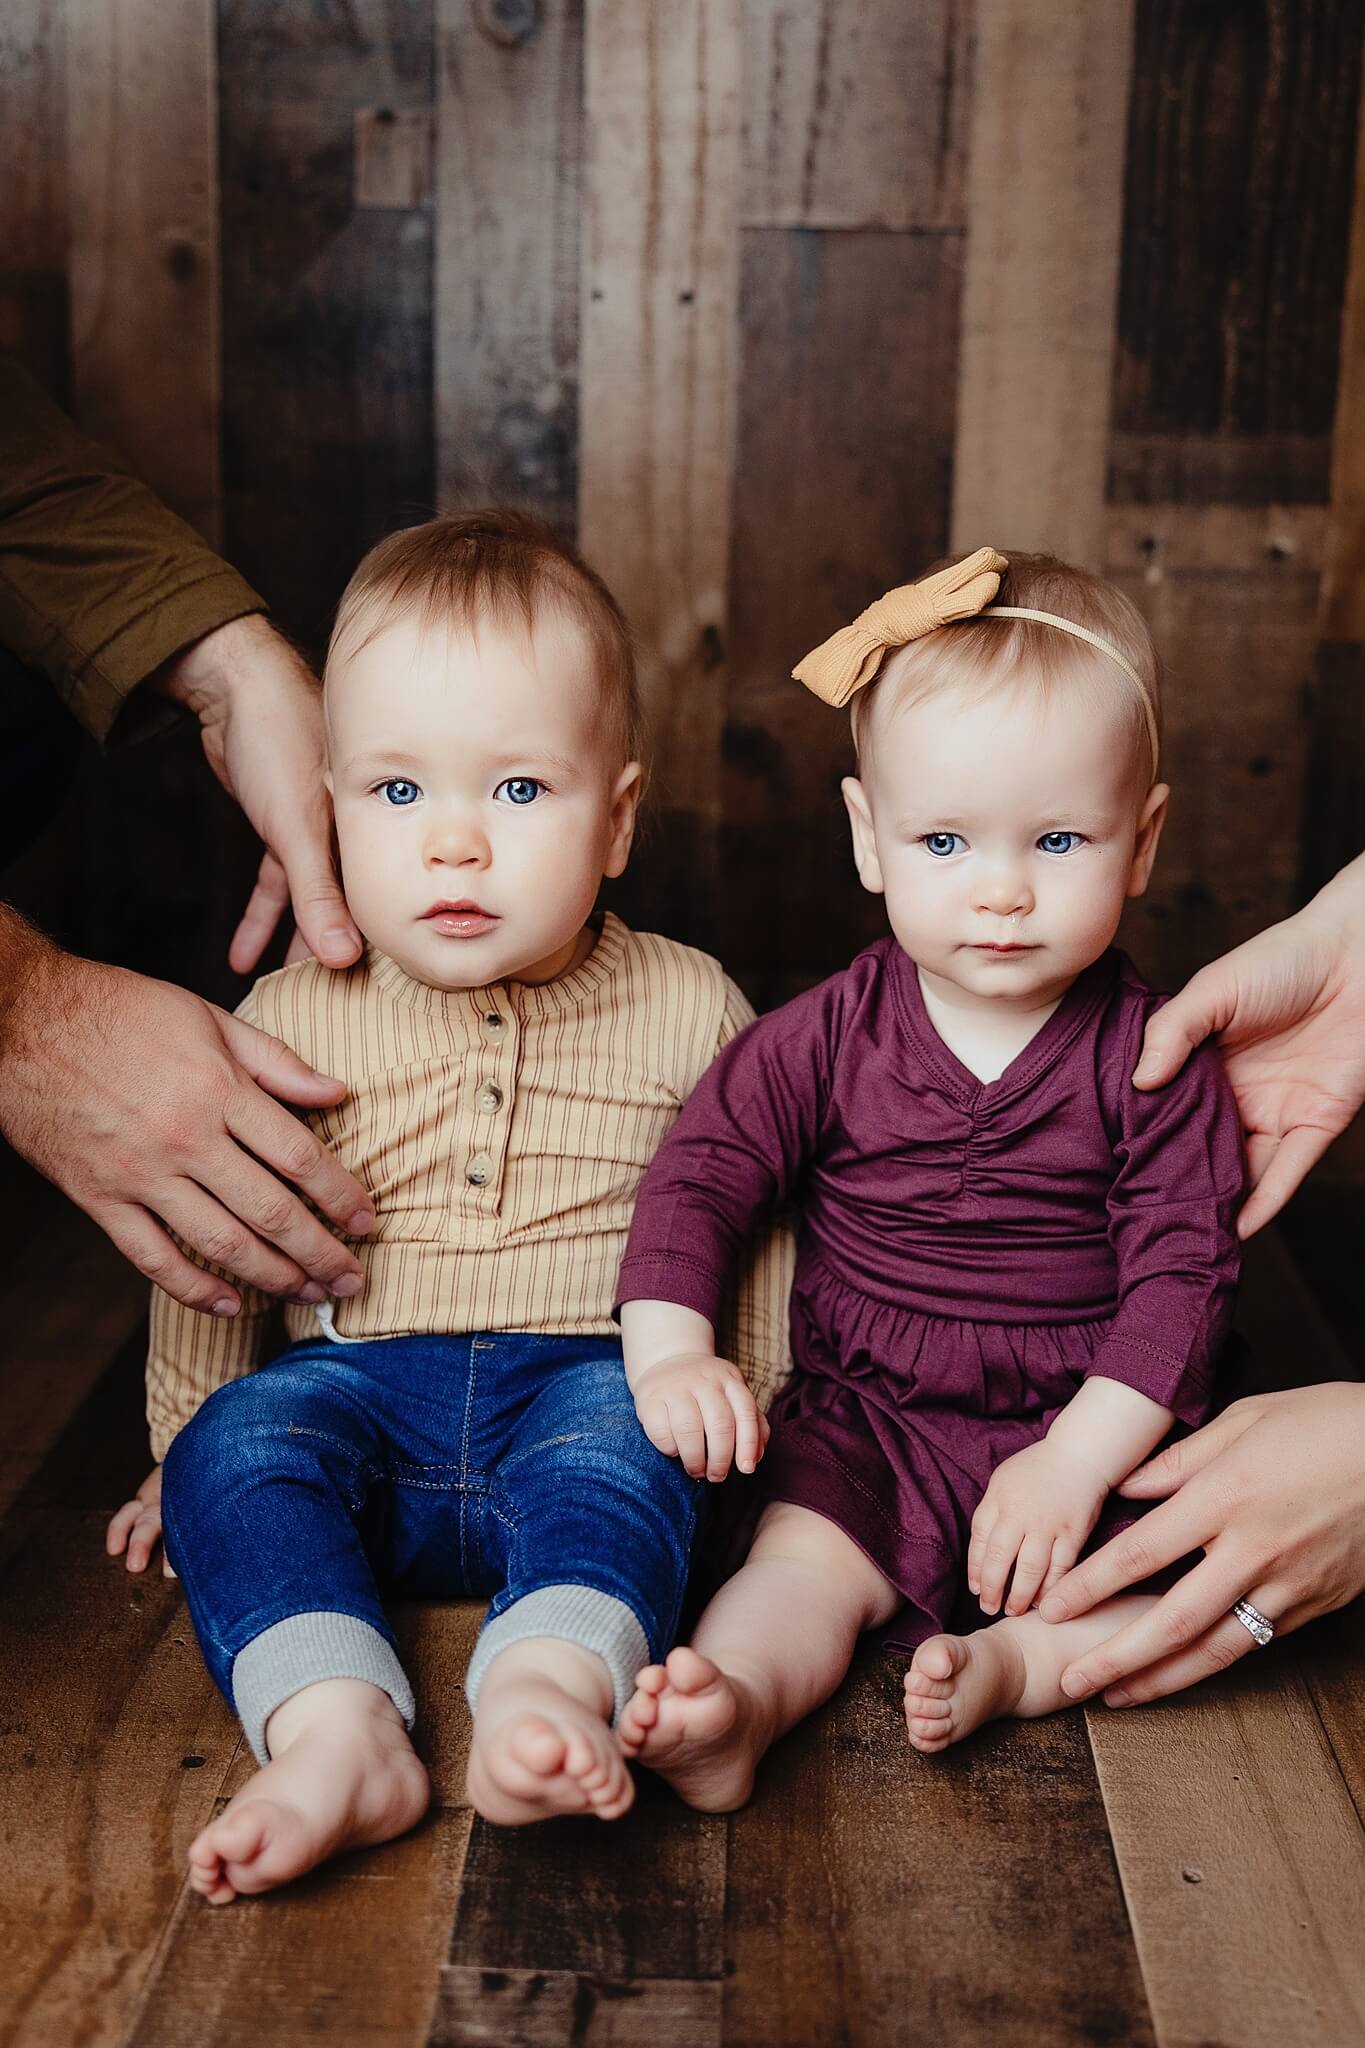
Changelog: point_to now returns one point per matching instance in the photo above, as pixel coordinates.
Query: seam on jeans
(511, 1522)
(168, 1525)
(475, 1346)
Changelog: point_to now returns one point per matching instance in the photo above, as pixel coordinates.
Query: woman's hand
(1289, 1011)
(135, 1530)
(1273, 1493)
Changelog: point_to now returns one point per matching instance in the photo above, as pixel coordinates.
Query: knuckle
(274, 1213)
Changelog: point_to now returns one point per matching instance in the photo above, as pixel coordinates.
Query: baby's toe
(538, 1746)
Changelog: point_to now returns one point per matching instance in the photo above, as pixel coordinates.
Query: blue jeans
(435, 1466)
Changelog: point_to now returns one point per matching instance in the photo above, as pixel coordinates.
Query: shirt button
(495, 1022)
(479, 1170)
(490, 1096)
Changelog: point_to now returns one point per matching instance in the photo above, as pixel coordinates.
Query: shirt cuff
(100, 691)
(670, 1276)
(1172, 1382)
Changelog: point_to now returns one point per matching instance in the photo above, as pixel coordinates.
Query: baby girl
(1014, 1270)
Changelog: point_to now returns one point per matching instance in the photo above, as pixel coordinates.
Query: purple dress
(969, 1252)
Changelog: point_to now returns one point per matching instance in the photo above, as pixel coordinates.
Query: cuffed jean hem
(304, 1649)
(571, 1614)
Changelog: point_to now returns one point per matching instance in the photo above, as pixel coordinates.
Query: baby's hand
(697, 1407)
(136, 1528)
(1034, 1517)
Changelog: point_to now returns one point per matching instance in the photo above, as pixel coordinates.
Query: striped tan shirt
(501, 1133)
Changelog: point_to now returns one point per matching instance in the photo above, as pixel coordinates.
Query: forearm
(1111, 1426)
(99, 583)
(653, 1331)
(23, 952)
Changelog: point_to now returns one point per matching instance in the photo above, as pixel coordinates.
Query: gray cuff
(303, 1649)
(571, 1614)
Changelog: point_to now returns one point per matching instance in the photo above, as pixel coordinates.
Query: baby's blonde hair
(507, 565)
(981, 655)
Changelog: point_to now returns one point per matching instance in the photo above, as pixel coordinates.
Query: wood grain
(573, 1932)
(142, 174)
(351, 1952)
(508, 169)
(112, 1745)
(33, 197)
(1227, 363)
(1236, 1810)
(327, 304)
(855, 114)
(841, 491)
(657, 410)
(886, 1900)
(1234, 619)
(1044, 202)
(1334, 783)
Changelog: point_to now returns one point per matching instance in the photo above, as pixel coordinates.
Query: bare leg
(342, 1774)
(776, 1641)
(543, 1742)
(1014, 1667)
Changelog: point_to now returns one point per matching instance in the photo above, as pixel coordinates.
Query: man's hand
(1288, 1008)
(136, 1529)
(1273, 1493)
(260, 714)
(142, 1103)
(1033, 1519)
(698, 1408)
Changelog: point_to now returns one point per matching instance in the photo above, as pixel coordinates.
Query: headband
(851, 658)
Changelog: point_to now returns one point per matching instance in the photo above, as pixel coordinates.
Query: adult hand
(260, 715)
(1273, 1493)
(141, 1102)
(1289, 1011)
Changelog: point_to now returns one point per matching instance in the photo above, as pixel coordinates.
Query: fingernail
(311, 1294)
(224, 1307)
(1117, 1697)
(339, 941)
(1051, 1608)
(1074, 1686)
(362, 1221)
(349, 1283)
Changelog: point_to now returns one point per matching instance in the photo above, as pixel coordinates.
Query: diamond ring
(1254, 1622)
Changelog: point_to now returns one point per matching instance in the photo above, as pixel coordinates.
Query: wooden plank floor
(1193, 1873)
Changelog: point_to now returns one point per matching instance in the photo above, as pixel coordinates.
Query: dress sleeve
(1172, 1222)
(756, 1329)
(99, 582)
(737, 1152)
(189, 1354)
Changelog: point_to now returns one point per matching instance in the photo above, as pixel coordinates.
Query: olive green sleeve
(99, 583)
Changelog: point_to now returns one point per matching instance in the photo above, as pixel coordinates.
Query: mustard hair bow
(850, 658)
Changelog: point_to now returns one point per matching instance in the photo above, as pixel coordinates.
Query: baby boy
(463, 1425)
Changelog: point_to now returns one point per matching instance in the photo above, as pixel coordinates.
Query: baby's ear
(1151, 818)
(624, 810)
(864, 837)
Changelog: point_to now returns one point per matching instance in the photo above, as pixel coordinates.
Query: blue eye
(399, 792)
(941, 844)
(520, 789)
(1061, 842)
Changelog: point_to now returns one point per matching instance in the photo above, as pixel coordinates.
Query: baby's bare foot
(537, 1750)
(690, 1722)
(348, 1777)
(957, 1682)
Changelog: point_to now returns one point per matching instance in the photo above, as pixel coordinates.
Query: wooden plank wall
(767, 303)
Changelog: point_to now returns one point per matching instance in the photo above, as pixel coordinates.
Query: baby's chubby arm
(1042, 1503)
(691, 1404)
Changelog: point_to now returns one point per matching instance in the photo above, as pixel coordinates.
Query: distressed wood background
(767, 303)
